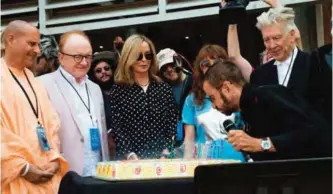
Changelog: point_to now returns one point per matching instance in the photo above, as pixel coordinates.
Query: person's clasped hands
(43, 173)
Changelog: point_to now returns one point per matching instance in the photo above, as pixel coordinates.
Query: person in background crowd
(180, 80)
(101, 72)
(48, 61)
(79, 103)
(202, 122)
(30, 157)
(118, 44)
(281, 123)
(143, 111)
(320, 81)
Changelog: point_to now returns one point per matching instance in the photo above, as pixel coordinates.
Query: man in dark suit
(281, 124)
(290, 66)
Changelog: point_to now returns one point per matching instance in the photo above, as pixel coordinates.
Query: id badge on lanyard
(95, 140)
(44, 144)
(40, 130)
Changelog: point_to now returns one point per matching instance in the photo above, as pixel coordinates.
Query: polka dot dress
(142, 122)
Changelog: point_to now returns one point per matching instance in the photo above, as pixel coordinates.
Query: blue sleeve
(188, 114)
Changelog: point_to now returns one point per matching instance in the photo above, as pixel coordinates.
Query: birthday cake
(151, 169)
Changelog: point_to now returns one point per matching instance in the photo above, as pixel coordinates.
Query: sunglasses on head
(99, 70)
(148, 56)
(207, 63)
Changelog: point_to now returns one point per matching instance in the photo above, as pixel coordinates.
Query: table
(72, 183)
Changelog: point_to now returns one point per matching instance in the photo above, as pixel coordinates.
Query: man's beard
(105, 86)
(174, 82)
(228, 110)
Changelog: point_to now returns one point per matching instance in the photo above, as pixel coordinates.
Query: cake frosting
(151, 169)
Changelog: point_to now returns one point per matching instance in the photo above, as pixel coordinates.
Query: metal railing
(58, 16)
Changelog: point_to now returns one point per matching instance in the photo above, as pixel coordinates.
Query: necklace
(143, 85)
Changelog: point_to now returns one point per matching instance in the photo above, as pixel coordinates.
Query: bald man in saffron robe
(30, 158)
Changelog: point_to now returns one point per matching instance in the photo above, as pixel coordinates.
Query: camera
(234, 12)
(239, 3)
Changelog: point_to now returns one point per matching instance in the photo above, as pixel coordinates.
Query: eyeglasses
(148, 56)
(79, 58)
(99, 70)
(206, 63)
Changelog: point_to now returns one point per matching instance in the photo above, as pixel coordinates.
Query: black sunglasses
(99, 70)
(165, 67)
(148, 56)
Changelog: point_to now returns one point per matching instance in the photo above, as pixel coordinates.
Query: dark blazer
(309, 77)
(320, 82)
(286, 118)
(267, 74)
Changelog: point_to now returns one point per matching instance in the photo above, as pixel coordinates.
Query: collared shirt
(283, 68)
(91, 158)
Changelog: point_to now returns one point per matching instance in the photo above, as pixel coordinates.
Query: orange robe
(19, 140)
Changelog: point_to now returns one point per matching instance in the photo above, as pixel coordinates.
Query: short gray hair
(276, 15)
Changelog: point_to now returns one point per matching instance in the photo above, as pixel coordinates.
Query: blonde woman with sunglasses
(143, 112)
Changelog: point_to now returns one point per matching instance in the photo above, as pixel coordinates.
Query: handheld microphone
(228, 125)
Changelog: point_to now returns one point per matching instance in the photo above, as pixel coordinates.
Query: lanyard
(87, 107)
(289, 67)
(26, 95)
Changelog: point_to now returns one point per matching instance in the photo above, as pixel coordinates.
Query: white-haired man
(290, 66)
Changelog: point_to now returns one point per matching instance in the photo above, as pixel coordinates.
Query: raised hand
(273, 3)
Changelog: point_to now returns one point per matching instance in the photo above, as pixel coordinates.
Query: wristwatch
(265, 144)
